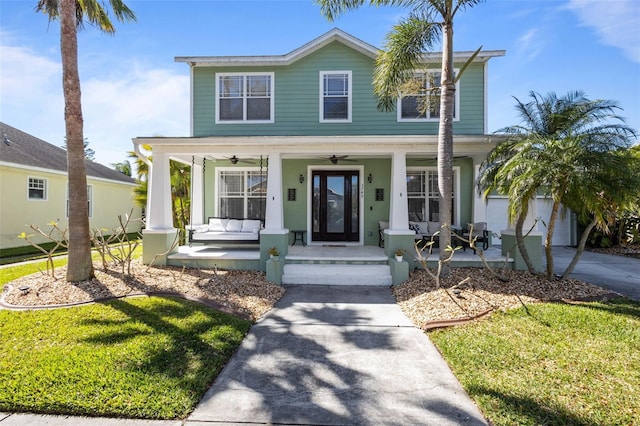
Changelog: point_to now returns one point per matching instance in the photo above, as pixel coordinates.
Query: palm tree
(571, 149)
(180, 188)
(429, 21)
(123, 167)
(72, 14)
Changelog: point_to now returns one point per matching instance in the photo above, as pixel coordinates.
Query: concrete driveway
(336, 355)
(618, 273)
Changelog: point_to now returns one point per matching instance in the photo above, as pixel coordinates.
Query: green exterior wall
(296, 212)
(297, 100)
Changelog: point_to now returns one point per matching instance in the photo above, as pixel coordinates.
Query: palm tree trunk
(80, 266)
(445, 141)
(520, 238)
(549, 239)
(579, 250)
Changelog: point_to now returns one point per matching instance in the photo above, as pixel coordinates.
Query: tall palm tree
(72, 14)
(569, 148)
(429, 21)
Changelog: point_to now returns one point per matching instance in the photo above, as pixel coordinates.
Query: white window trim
(244, 106)
(456, 189)
(89, 201)
(321, 97)
(219, 170)
(456, 116)
(46, 188)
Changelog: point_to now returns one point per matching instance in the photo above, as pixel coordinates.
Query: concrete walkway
(334, 356)
(618, 273)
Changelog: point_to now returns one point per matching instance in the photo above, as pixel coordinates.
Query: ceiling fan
(335, 158)
(236, 160)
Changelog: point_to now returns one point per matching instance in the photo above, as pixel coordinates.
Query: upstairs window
(37, 189)
(335, 96)
(422, 103)
(244, 98)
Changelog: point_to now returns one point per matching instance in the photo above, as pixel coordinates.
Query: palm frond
(402, 54)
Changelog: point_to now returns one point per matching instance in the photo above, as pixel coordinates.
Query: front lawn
(556, 364)
(141, 357)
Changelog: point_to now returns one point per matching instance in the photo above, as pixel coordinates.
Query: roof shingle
(22, 148)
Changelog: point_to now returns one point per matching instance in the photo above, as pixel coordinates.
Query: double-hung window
(423, 101)
(37, 189)
(335, 96)
(89, 200)
(244, 98)
(423, 197)
(242, 193)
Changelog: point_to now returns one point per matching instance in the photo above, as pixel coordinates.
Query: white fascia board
(283, 60)
(483, 56)
(61, 173)
(184, 148)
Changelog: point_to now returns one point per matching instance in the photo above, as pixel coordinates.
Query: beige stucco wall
(17, 211)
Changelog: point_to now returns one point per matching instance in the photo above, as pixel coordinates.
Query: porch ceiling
(370, 146)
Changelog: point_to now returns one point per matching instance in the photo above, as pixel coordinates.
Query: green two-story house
(297, 141)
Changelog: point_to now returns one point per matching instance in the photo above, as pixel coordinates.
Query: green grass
(142, 357)
(558, 365)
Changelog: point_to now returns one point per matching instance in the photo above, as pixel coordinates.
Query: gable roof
(18, 147)
(335, 35)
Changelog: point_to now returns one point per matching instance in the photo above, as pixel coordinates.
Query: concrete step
(333, 274)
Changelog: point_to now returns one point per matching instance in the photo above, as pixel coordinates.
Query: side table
(298, 235)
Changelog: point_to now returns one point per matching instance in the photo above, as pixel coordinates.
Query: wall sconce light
(301, 178)
(370, 178)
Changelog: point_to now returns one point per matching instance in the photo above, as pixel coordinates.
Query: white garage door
(497, 220)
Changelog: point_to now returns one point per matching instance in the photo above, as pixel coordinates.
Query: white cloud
(529, 45)
(616, 22)
(130, 101)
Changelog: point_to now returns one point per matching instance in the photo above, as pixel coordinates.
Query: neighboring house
(307, 123)
(33, 189)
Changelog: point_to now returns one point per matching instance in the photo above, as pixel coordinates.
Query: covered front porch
(289, 185)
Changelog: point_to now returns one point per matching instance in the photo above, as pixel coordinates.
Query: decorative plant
(273, 251)
(400, 252)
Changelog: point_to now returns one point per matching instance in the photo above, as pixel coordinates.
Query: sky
(131, 85)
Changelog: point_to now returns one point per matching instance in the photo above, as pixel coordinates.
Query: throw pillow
(251, 225)
(234, 225)
(217, 224)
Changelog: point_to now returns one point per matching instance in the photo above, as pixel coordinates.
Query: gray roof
(22, 148)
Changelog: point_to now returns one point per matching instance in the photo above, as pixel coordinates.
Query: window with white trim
(423, 197)
(424, 103)
(244, 98)
(37, 189)
(335, 96)
(242, 193)
(89, 200)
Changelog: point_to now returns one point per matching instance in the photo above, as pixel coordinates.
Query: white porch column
(274, 215)
(399, 208)
(159, 194)
(479, 206)
(197, 196)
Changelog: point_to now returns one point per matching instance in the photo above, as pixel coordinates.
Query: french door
(335, 208)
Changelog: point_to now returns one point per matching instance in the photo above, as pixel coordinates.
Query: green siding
(296, 212)
(297, 100)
